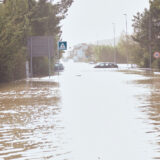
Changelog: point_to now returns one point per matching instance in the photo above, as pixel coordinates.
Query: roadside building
(79, 52)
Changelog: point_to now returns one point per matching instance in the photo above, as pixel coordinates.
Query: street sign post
(156, 55)
(39, 46)
(62, 45)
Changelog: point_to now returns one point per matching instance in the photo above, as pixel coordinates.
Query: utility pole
(149, 37)
(114, 33)
(126, 35)
(126, 23)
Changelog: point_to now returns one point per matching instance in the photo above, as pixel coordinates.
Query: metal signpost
(62, 45)
(156, 55)
(39, 46)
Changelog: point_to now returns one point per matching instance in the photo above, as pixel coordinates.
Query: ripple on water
(30, 122)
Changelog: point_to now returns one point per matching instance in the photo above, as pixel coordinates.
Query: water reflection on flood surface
(152, 110)
(30, 124)
(84, 114)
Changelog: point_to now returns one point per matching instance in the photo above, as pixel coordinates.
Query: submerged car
(106, 65)
(58, 67)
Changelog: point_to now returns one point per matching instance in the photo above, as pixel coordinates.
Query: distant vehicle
(106, 65)
(92, 62)
(58, 67)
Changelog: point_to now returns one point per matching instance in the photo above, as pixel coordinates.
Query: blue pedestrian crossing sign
(62, 45)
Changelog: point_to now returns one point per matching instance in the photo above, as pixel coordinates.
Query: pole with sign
(40, 46)
(62, 45)
(156, 55)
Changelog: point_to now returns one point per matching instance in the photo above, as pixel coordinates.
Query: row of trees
(104, 53)
(125, 51)
(20, 19)
(139, 47)
(147, 33)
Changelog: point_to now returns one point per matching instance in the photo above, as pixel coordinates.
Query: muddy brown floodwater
(30, 126)
(82, 114)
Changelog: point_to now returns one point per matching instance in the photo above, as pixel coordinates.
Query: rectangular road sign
(62, 45)
(40, 46)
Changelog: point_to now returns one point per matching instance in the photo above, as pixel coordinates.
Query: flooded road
(84, 114)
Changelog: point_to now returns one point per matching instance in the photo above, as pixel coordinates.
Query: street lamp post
(126, 23)
(114, 32)
(149, 38)
(126, 34)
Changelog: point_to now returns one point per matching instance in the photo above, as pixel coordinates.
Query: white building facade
(79, 52)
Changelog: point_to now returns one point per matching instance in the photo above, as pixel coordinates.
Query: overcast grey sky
(91, 20)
